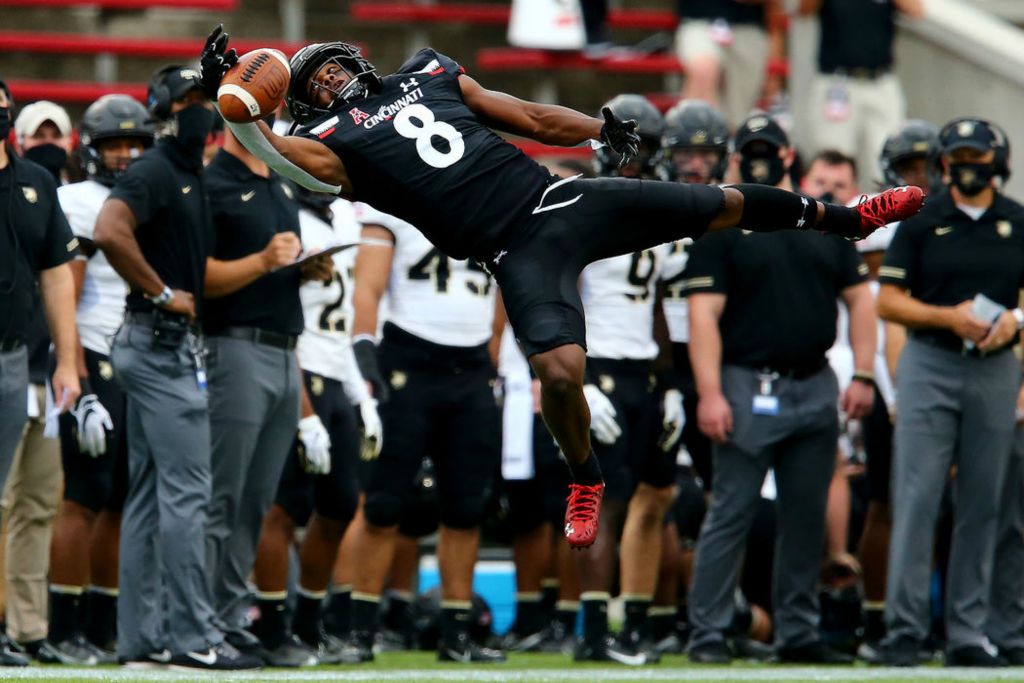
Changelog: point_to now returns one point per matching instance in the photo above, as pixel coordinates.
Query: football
(255, 86)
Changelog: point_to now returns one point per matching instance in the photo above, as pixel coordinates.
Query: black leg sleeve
(766, 209)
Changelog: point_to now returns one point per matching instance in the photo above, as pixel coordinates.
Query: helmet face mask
(306, 64)
(695, 132)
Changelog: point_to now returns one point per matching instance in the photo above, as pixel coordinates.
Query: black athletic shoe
(974, 656)
(608, 649)
(74, 651)
(1014, 656)
(902, 652)
(812, 653)
(670, 645)
(357, 648)
(244, 641)
(150, 660)
(326, 648)
(462, 649)
(390, 640)
(752, 650)
(713, 652)
(222, 657)
(11, 654)
(544, 640)
(289, 653)
(630, 640)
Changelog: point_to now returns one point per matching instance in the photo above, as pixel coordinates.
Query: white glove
(316, 445)
(373, 430)
(673, 420)
(602, 415)
(93, 423)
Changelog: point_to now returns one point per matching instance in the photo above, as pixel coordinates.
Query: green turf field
(421, 667)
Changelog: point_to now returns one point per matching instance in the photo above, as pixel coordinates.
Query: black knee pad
(382, 509)
(463, 512)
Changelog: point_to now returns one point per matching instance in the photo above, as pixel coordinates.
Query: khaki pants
(30, 502)
(876, 110)
(743, 62)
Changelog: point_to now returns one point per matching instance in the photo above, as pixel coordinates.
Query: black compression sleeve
(767, 209)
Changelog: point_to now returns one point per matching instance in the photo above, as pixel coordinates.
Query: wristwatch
(163, 298)
(1018, 315)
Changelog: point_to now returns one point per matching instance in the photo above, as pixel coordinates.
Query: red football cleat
(888, 207)
(581, 513)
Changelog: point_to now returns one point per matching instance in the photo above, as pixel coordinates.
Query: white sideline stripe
(241, 93)
(500, 675)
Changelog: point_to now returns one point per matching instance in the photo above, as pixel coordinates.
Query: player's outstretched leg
(565, 411)
(764, 208)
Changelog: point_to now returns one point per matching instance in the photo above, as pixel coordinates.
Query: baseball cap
(970, 133)
(760, 127)
(36, 114)
(179, 80)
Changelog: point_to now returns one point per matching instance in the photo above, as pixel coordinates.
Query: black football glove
(620, 135)
(215, 61)
(366, 358)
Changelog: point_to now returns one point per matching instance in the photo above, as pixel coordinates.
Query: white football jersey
(618, 299)
(674, 303)
(429, 295)
(325, 346)
(101, 306)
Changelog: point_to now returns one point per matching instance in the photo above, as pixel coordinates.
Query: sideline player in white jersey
(435, 379)
(84, 550)
(636, 447)
(319, 487)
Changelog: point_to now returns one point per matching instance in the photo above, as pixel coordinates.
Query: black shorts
(443, 405)
(334, 495)
(635, 456)
(99, 483)
(878, 436)
(532, 502)
(697, 445)
(538, 267)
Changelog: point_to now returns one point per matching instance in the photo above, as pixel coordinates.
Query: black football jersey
(416, 151)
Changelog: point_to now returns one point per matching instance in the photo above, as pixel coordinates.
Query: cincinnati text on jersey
(385, 113)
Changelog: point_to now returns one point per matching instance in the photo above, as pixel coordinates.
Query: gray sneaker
(74, 651)
(290, 653)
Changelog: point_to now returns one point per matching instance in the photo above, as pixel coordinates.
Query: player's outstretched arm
(547, 123)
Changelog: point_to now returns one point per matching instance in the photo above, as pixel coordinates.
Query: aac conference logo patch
(31, 196)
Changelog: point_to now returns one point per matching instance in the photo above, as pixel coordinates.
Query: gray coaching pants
(800, 444)
(13, 405)
(951, 409)
(1005, 625)
(254, 415)
(164, 599)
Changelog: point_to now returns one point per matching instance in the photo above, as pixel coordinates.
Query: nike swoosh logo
(943, 231)
(186, 189)
(209, 659)
(246, 196)
(163, 656)
(464, 657)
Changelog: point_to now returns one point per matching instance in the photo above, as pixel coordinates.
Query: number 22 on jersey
(417, 122)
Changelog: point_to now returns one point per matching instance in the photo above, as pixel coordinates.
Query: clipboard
(326, 251)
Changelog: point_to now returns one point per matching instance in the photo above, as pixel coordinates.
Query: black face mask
(49, 156)
(763, 170)
(971, 179)
(195, 122)
(5, 123)
(827, 198)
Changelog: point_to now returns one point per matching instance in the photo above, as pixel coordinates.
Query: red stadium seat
(514, 59)
(78, 92)
(84, 44)
(223, 5)
(493, 14)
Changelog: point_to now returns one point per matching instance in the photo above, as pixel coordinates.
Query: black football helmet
(317, 202)
(694, 124)
(917, 138)
(309, 60)
(111, 116)
(649, 128)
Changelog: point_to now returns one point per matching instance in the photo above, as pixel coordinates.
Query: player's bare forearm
(115, 235)
(311, 156)
(372, 271)
(706, 342)
(57, 286)
(896, 305)
(863, 328)
(547, 123)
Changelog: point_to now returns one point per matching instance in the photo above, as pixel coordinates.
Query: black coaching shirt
(34, 236)
(781, 290)
(733, 11)
(168, 197)
(943, 257)
(416, 151)
(248, 210)
(856, 34)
